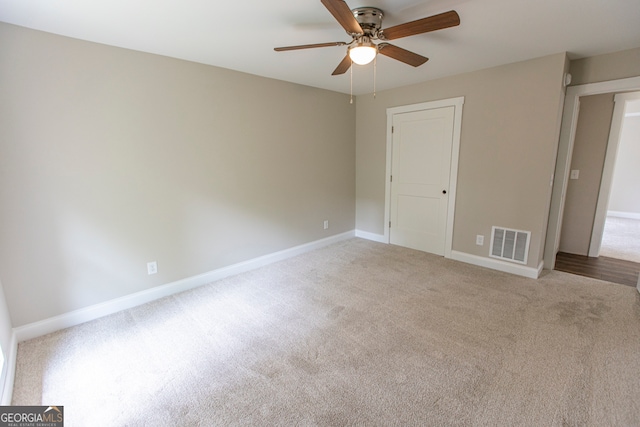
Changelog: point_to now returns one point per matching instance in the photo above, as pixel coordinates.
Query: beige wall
(590, 146)
(612, 66)
(510, 128)
(110, 158)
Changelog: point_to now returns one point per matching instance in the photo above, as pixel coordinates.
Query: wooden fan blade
(424, 25)
(343, 15)
(343, 66)
(308, 46)
(401, 54)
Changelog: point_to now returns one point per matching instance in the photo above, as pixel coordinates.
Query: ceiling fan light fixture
(363, 52)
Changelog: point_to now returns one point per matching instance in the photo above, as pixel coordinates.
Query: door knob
(444, 191)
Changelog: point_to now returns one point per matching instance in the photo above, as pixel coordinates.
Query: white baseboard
(496, 264)
(371, 236)
(76, 317)
(618, 214)
(10, 360)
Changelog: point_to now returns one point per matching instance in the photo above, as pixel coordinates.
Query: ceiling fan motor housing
(369, 18)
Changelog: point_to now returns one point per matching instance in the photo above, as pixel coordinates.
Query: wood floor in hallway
(610, 269)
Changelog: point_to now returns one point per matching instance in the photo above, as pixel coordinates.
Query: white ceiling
(241, 35)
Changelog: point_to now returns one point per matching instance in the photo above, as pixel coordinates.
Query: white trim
(611, 155)
(565, 152)
(494, 264)
(76, 317)
(457, 103)
(453, 176)
(628, 215)
(559, 184)
(371, 236)
(387, 178)
(10, 365)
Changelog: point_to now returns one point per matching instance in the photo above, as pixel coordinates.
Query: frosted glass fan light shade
(363, 53)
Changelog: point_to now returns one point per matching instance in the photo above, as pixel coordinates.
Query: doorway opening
(576, 228)
(616, 229)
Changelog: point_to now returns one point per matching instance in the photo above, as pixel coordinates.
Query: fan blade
(424, 25)
(343, 66)
(309, 46)
(343, 15)
(401, 54)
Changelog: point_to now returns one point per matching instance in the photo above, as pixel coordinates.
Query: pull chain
(375, 73)
(351, 68)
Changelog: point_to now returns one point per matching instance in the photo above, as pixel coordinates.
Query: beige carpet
(358, 333)
(621, 239)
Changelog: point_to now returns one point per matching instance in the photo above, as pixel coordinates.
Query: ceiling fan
(364, 24)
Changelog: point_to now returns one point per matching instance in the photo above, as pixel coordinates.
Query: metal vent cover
(510, 245)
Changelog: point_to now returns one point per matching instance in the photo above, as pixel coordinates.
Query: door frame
(457, 103)
(565, 153)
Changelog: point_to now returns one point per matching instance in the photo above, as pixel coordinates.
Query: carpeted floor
(358, 333)
(621, 239)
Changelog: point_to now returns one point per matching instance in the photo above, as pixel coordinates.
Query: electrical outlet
(479, 240)
(326, 224)
(152, 267)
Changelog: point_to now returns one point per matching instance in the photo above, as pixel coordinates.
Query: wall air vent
(510, 245)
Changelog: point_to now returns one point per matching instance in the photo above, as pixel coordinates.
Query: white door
(421, 165)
